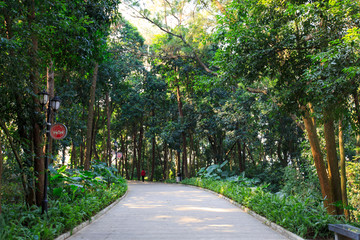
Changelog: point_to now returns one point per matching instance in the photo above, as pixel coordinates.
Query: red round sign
(58, 131)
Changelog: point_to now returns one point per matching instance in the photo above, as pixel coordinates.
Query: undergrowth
(74, 197)
(308, 219)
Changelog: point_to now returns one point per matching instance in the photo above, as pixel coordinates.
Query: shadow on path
(170, 211)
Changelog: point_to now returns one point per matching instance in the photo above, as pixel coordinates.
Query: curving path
(174, 212)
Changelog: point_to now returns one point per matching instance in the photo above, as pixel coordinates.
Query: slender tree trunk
(126, 162)
(134, 152)
(282, 158)
(244, 156)
(1, 166)
(319, 163)
(63, 155)
(191, 156)
(51, 91)
(165, 173)
(170, 162)
(184, 156)
(343, 170)
(178, 169)
(90, 119)
(181, 115)
(153, 159)
(73, 155)
(82, 146)
(140, 148)
(125, 154)
(240, 157)
(108, 142)
(249, 152)
(94, 151)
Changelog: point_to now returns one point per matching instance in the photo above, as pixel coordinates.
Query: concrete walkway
(174, 212)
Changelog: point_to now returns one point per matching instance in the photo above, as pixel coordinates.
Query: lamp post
(54, 105)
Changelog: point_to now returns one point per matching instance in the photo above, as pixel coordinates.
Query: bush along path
(308, 219)
(75, 196)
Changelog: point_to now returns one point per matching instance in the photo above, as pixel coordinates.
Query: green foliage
(353, 188)
(74, 197)
(306, 218)
(303, 185)
(214, 171)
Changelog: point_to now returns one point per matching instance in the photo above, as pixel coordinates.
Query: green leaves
(306, 219)
(72, 200)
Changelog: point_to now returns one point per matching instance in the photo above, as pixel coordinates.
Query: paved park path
(173, 212)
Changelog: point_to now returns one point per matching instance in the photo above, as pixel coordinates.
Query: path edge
(274, 226)
(93, 218)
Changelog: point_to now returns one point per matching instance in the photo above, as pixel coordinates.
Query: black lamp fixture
(55, 103)
(44, 98)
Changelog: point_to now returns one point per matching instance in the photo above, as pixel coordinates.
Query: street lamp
(54, 105)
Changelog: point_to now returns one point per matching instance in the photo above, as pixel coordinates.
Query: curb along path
(171, 211)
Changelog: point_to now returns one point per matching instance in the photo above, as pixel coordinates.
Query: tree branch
(265, 92)
(196, 56)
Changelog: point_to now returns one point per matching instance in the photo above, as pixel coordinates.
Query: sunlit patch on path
(171, 211)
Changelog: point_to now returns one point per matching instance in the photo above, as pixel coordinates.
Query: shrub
(308, 219)
(74, 196)
(353, 188)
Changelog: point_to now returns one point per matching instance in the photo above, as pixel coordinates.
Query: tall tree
(272, 40)
(89, 136)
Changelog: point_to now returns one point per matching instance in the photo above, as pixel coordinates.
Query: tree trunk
(1, 166)
(319, 163)
(82, 146)
(108, 142)
(153, 159)
(343, 171)
(73, 155)
(282, 156)
(90, 119)
(184, 156)
(240, 157)
(181, 116)
(141, 134)
(124, 151)
(134, 152)
(332, 159)
(37, 138)
(357, 107)
(165, 172)
(178, 169)
(191, 156)
(357, 147)
(51, 92)
(93, 151)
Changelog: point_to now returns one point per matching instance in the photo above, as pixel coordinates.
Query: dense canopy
(261, 90)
